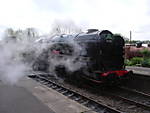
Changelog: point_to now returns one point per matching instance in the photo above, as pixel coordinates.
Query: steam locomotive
(101, 56)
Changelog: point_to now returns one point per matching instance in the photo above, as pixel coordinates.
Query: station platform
(29, 96)
(139, 70)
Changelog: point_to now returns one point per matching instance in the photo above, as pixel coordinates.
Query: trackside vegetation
(140, 61)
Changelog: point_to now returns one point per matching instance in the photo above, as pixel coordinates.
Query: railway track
(140, 82)
(130, 96)
(132, 99)
(76, 96)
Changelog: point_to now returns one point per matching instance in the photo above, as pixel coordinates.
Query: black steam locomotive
(101, 56)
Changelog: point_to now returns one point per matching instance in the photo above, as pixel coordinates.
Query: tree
(64, 27)
(29, 34)
(9, 35)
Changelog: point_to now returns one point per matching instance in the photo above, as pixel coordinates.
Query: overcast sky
(119, 16)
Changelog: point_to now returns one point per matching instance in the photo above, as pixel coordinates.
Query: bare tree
(29, 34)
(9, 35)
(64, 27)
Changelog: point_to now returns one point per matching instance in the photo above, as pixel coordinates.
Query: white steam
(19, 51)
(11, 66)
(71, 62)
(16, 57)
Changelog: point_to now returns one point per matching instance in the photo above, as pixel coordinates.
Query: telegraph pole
(130, 36)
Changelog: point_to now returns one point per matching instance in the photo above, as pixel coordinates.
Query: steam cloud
(70, 62)
(11, 67)
(17, 58)
(19, 51)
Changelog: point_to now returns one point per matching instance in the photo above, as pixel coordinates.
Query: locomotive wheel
(40, 66)
(75, 78)
(43, 67)
(35, 66)
(61, 71)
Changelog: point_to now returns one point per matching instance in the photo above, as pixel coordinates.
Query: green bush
(128, 62)
(146, 62)
(146, 58)
(140, 61)
(145, 52)
(134, 61)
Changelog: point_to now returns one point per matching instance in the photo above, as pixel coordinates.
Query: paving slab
(29, 96)
(54, 100)
(15, 99)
